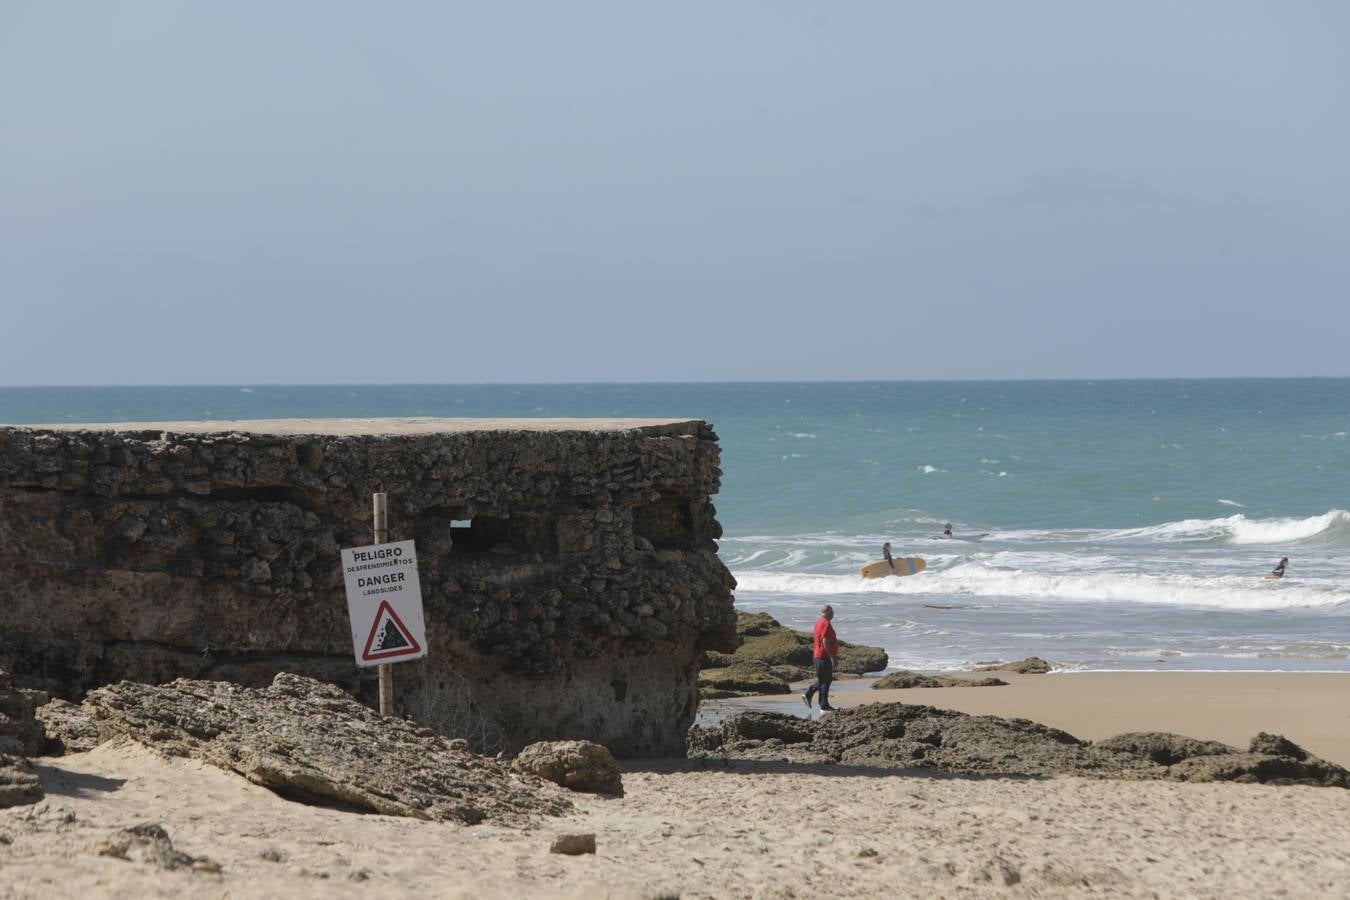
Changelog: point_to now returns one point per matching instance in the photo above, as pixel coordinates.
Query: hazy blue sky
(243, 192)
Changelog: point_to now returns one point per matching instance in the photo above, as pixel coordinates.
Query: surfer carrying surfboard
(1278, 571)
(886, 552)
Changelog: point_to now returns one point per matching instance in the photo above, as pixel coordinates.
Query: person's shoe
(828, 708)
(806, 698)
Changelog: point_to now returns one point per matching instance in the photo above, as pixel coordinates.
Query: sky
(349, 192)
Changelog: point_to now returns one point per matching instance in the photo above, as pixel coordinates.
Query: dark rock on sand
(70, 728)
(150, 843)
(895, 735)
(1032, 665)
(1278, 745)
(1262, 768)
(1162, 747)
(905, 679)
(576, 765)
(19, 785)
(1270, 759)
(573, 844)
(898, 735)
(765, 726)
(312, 742)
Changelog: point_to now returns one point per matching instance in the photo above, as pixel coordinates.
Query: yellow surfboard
(904, 565)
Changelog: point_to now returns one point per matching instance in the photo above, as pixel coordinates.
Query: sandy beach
(745, 829)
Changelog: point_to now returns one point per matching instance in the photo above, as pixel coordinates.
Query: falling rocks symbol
(389, 637)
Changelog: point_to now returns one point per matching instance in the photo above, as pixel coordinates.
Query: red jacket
(827, 644)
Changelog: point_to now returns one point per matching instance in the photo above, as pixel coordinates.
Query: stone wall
(568, 567)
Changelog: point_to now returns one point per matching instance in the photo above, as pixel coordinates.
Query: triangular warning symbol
(389, 637)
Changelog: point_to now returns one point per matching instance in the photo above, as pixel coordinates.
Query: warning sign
(389, 637)
(384, 601)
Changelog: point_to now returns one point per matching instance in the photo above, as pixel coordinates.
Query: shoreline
(1309, 708)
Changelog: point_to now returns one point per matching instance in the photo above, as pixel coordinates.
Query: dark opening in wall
(478, 535)
(668, 522)
(484, 534)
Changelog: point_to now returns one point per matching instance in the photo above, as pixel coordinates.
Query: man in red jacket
(827, 654)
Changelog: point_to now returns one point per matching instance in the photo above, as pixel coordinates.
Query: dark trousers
(824, 675)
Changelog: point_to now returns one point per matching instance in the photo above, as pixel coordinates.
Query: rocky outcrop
(904, 736)
(576, 765)
(905, 679)
(1163, 748)
(745, 678)
(19, 785)
(20, 731)
(70, 728)
(769, 657)
(568, 568)
(1032, 665)
(311, 742)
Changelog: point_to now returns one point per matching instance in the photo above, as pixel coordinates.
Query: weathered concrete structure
(568, 567)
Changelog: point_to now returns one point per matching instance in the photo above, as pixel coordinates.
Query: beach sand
(745, 830)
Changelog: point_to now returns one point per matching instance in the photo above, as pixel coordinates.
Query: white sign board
(384, 601)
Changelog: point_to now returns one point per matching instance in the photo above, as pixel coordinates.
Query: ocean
(1103, 525)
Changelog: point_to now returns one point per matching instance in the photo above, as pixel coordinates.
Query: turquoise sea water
(1103, 525)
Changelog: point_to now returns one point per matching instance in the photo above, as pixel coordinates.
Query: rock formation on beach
(21, 732)
(576, 765)
(1032, 665)
(905, 736)
(568, 567)
(906, 679)
(309, 741)
(769, 656)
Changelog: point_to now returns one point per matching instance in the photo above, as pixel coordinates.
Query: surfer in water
(1278, 571)
(947, 532)
(886, 552)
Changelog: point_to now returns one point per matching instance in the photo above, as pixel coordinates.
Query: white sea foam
(929, 470)
(1231, 503)
(978, 580)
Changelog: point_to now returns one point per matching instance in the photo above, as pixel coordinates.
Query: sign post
(380, 530)
(384, 602)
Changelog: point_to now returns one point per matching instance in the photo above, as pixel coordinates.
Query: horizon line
(367, 384)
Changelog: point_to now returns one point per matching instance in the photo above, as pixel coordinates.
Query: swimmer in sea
(886, 552)
(947, 532)
(1278, 571)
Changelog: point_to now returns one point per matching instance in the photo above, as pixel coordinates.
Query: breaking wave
(1331, 527)
(974, 580)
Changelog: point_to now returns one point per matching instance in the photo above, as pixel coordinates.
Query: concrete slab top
(378, 426)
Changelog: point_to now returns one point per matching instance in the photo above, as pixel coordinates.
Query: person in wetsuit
(886, 552)
(1278, 571)
(947, 532)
